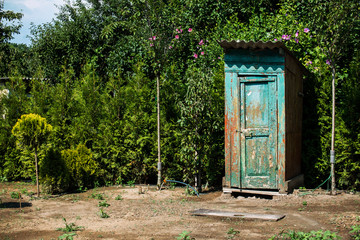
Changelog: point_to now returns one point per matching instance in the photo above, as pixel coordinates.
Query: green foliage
(119, 197)
(103, 204)
(355, 231)
(15, 195)
(313, 235)
(31, 130)
(231, 233)
(184, 236)
(54, 179)
(98, 196)
(67, 236)
(103, 214)
(70, 227)
(81, 166)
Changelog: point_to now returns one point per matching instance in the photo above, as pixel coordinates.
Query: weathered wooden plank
(253, 216)
(252, 191)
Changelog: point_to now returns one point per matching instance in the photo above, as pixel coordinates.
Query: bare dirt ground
(165, 214)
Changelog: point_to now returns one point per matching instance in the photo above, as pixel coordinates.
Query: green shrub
(81, 166)
(54, 179)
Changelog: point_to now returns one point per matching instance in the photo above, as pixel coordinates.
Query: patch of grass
(103, 204)
(103, 214)
(71, 227)
(313, 235)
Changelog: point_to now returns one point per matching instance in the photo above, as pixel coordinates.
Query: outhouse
(263, 118)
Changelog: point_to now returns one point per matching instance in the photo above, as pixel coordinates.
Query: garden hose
(174, 181)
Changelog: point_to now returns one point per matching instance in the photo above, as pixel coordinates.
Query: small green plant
(118, 197)
(231, 233)
(184, 236)
(313, 235)
(189, 191)
(119, 181)
(71, 227)
(131, 183)
(103, 204)
(15, 195)
(103, 214)
(67, 236)
(3, 179)
(304, 203)
(355, 232)
(98, 196)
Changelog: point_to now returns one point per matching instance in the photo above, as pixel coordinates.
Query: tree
(8, 27)
(31, 130)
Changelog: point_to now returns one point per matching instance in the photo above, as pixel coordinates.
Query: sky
(35, 11)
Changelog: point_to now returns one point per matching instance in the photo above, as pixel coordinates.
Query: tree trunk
(37, 173)
(158, 129)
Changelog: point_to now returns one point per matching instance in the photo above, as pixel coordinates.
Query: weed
(78, 218)
(189, 191)
(131, 183)
(67, 236)
(103, 204)
(3, 179)
(23, 191)
(75, 198)
(70, 227)
(184, 236)
(355, 232)
(15, 195)
(118, 197)
(103, 214)
(304, 203)
(231, 233)
(98, 196)
(119, 181)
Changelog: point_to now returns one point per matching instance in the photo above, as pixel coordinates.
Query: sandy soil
(165, 215)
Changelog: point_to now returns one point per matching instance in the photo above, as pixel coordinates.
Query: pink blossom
(309, 63)
(283, 37)
(190, 30)
(195, 55)
(181, 30)
(177, 36)
(201, 42)
(151, 45)
(202, 53)
(306, 30)
(154, 38)
(328, 62)
(170, 47)
(275, 40)
(297, 34)
(219, 57)
(296, 40)
(177, 30)
(150, 39)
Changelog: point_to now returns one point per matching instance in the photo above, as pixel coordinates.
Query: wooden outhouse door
(258, 131)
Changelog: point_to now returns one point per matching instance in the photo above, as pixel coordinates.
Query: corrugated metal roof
(251, 44)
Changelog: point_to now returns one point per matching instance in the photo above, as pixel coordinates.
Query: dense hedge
(94, 79)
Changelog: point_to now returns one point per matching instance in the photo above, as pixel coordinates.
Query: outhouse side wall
(293, 117)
